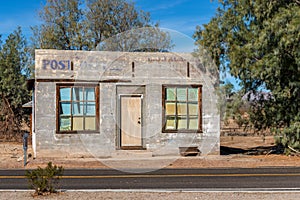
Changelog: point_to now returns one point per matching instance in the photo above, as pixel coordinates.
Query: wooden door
(131, 122)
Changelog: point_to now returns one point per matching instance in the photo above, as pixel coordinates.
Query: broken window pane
(65, 108)
(65, 123)
(77, 108)
(77, 94)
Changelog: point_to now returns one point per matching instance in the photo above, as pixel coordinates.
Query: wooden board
(131, 122)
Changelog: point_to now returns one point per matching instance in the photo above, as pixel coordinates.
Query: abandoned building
(99, 102)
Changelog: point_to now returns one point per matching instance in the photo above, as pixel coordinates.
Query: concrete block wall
(113, 70)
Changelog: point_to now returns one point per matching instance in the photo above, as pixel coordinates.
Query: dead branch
(294, 150)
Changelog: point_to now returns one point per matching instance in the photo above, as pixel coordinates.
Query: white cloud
(163, 5)
(185, 25)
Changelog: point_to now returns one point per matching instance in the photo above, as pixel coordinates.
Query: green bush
(45, 180)
(289, 138)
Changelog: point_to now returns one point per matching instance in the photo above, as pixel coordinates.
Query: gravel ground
(151, 195)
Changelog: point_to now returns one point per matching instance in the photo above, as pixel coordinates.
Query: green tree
(258, 41)
(146, 39)
(14, 69)
(63, 26)
(83, 25)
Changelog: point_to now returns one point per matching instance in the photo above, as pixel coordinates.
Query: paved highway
(192, 179)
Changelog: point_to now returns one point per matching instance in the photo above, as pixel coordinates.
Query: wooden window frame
(80, 85)
(164, 115)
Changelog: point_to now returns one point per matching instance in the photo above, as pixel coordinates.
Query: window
(182, 108)
(77, 108)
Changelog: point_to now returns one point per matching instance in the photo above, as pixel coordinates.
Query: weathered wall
(114, 71)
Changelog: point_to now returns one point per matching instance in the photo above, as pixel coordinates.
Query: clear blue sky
(179, 15)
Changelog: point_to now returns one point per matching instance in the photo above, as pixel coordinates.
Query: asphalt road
(235, 179)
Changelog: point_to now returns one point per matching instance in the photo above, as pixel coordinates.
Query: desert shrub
(45, 180)
(289, 138)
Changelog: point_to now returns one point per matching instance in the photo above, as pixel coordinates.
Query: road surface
(191, 179)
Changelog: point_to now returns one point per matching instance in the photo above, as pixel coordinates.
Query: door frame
(119, 127)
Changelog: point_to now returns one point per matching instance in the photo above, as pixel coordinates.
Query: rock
(20, 159)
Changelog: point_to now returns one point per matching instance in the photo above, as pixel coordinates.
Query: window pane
(181, 94)
(65, 94)
(170, 94)
(90, 123)
(89, 94)
(77, 94)
(90, 108)
(193, 108)
(193, 124)
(182, 123)
(65, 123)
(77, 108)
(181, 109)
(171, 123)
(170, 108)
(77, 123)
(65, 108)
(193, 94)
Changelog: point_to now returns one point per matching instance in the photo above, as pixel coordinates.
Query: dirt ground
(76, 195)
(236, 151)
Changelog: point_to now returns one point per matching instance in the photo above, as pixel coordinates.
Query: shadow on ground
(260, 150)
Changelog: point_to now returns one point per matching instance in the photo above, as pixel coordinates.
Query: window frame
(164, 115)
(97, 112)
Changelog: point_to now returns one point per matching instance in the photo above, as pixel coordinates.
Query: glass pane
(181, 109)
(77, 123)
(171, 123)
(193, 108)
(193, 124)
(65, 108)
(181, 94)
(90, 123)
(182, 123)
(170, 108)
(90, 94)
(77, 94)
(77, 108)
(193, 94)
(90, 108)
(65, 123)
(170, 94)
(65, 94)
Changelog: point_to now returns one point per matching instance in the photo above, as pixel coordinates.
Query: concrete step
(131, 154)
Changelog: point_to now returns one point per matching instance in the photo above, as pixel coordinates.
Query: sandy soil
(12, 157)
(153, 195)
